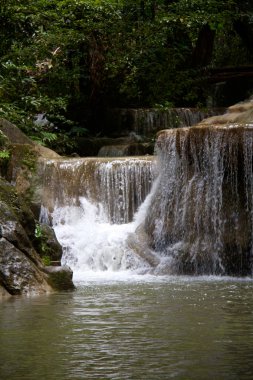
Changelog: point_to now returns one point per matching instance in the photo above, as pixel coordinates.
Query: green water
(167, 328)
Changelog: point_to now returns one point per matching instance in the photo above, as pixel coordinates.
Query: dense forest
(72, 59)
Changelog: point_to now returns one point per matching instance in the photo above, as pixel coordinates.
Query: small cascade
(123, 187)
(146, 122)
(91, 203)
(119, 186)
(201, 213)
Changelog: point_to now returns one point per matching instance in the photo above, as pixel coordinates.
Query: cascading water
(119, 185)
(91, 203)
(197, 219)
(201, 214)
(147, 122)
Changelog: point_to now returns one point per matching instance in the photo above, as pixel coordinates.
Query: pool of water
(137, 327)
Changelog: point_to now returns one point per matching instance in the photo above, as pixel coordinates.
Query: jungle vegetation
(69, 60)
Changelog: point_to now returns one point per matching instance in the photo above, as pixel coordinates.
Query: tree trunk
(245, 32)
(202, 54)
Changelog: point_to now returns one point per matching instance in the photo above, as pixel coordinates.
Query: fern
(4, 154)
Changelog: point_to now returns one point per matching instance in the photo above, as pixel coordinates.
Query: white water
(198, 218)
(119, 185)
(93, 245)
(201, 215)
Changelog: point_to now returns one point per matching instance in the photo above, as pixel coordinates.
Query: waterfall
(195, 218)
(201, 214)
(147, 122)
(119, 185)
(91, 203)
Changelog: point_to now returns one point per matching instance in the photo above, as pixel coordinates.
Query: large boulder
(16, 136)
(18, 273)
(22, 270)
(24, 242)
(60, 277)
(22, 168)
(20, 266)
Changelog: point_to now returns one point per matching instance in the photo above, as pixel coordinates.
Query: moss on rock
(21, 267)
(47, 244)
(60, 278)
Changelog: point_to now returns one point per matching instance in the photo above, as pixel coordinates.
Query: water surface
(138, 327)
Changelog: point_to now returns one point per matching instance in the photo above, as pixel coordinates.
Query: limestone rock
(201, 213)
(47, 243)
(16, 136)
(240, 113)
(21, 268)
(18, 273)
(21, 250)
(22, 169)
(60, 277)
(138, 242)
(13, 133)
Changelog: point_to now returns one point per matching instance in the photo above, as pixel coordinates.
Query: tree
(72, 59)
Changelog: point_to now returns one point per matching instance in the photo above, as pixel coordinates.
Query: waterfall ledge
(201, 212)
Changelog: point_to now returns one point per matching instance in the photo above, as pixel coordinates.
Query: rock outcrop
(22, 168)
(26, 246)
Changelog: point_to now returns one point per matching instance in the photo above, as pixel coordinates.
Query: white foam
(91, 243)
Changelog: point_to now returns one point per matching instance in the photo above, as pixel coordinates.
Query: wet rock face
(19, 275)
(47, 244)
(22, 250)
(19, 263)
(201, 213)
(60, 277)
(21, 268)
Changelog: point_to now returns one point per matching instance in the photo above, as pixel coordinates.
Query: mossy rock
(47, 244)
(60, 278)
(4, 141)
(18, 207)
(4, 154)
(21, 267)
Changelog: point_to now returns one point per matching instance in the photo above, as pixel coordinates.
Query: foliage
(42, 245)
(38, 231)
(68, 60)
(4, 154)
(3, 140)
(46, 260)
(29, 159)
